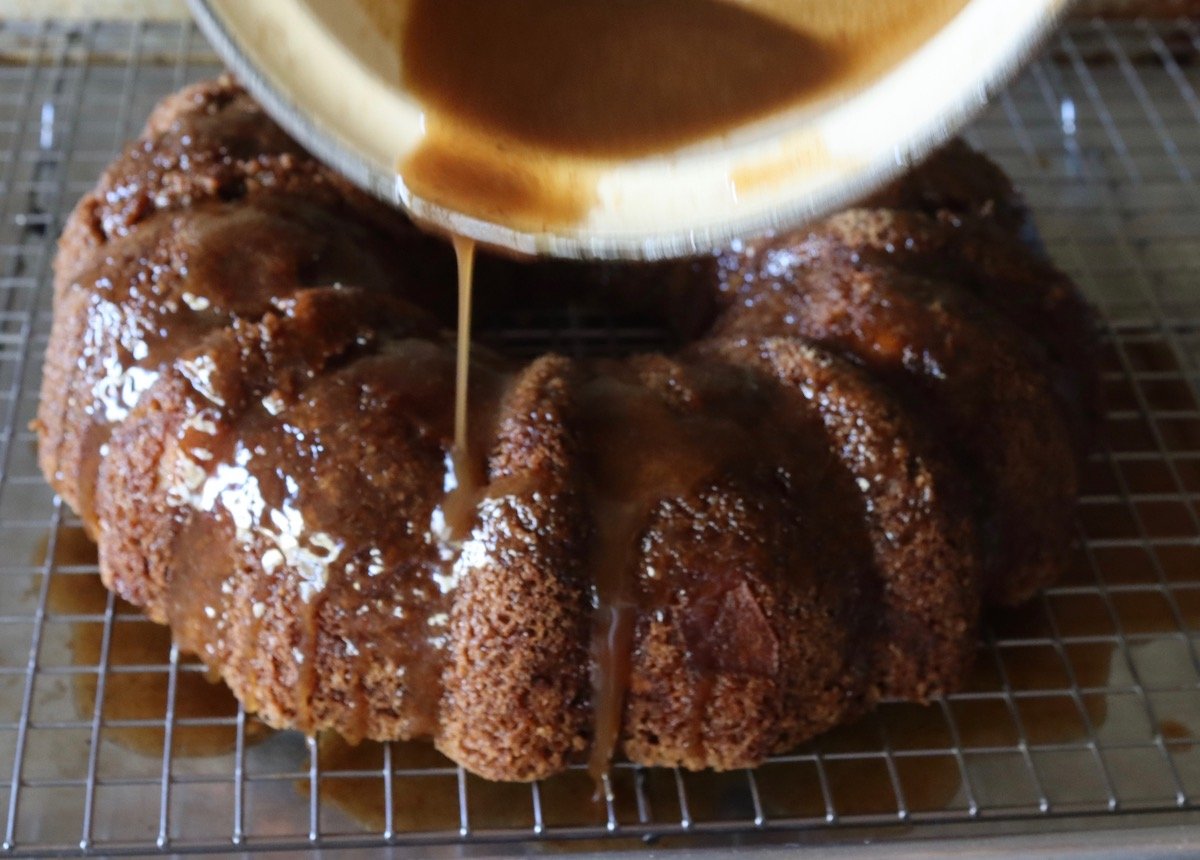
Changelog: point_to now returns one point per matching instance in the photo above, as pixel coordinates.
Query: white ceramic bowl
(323, 69)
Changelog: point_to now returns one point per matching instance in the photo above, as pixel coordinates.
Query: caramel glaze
(463, 497)
(614, 78)
(751, 540)
(508, 88)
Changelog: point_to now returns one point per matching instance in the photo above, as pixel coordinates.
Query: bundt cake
(700, 557)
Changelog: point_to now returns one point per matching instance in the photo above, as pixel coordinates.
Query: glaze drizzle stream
(465, 472)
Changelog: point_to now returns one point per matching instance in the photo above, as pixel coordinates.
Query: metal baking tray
(1080, 731)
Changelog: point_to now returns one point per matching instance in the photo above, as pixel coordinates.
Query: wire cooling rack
(1083, 716)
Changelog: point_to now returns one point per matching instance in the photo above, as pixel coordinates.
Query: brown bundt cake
(696, 558)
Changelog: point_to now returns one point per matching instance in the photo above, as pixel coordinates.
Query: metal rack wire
(1083, 715)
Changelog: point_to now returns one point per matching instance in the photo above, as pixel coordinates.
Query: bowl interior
(334, 73)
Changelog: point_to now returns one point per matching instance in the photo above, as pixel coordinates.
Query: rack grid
(1084, 713)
